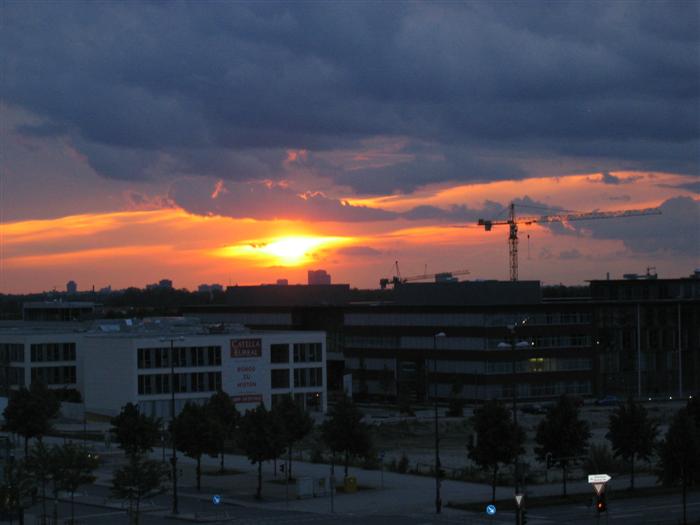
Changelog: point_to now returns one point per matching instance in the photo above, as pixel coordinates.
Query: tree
(41, 465)
(257, 438)
(17, 488)
(192, 432)
(344, 432)
(296, 424)
(563, 435)
(74, 467)
(223, 417)
(29, 412)
(498, 441)
(140, 478)
(136, 433)
(632, 434)
(679, 453)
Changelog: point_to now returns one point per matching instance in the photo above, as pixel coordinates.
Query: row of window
(308, 352)
(10, 376)
(303, 377)
(52, 352)
(192, 382)
(54, 375)
(466, 319)
(11, 352)
(182, 356)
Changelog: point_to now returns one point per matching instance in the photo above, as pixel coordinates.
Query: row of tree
(261, 434)
(562, 439)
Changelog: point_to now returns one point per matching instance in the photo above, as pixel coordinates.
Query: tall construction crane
(397, 280)
(512, 222)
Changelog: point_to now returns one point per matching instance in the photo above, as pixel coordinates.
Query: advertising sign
(247, 371)
(242, 348)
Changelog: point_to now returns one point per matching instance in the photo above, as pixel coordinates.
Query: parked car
(608, 401)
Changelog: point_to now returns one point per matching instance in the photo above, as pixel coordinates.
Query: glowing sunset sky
(245, 142)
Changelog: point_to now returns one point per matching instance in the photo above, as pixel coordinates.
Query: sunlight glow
(292, 250)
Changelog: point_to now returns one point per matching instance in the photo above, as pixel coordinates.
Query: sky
(245, 142)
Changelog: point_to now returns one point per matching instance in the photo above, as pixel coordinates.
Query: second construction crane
(512, 222)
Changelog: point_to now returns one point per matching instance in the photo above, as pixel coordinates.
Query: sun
(293, 250)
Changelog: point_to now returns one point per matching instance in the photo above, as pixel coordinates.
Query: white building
(116, 362)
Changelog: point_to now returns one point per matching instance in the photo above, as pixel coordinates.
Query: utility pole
(173, 459)
(438, 499)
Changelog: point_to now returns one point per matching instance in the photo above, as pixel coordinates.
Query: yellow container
(350, 484)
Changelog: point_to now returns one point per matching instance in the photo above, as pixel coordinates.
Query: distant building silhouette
(282, 282)
(203, 288)
(319, 277)
(71, 287)
(163, 283)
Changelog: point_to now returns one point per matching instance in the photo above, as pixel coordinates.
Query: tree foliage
(140, 478)
(17, 488)
(563, 435)
(192, 432)
(136, 433)
(344, 433)
(223, 418)
(296, 424)
(632, 433)
(679, 453)
(29, 412)
(74, 467)
(498, 440)
(260, 437)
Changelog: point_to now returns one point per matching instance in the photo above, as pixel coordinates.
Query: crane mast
(512, 221)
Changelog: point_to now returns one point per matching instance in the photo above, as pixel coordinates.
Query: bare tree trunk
(685, 488)
(199, 473)
(221, 465)
(632, 474)
(258, 494)
(138, 510)
(289, 467)
(72, 507)
(493, 483)
(347, 463)
(563, 467)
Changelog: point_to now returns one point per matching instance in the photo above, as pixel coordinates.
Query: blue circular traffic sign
(216, 499)
(490, 510)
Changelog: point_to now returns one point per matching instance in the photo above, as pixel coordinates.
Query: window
(315, 376)
(304, 352)
(279, 354)
(279, 378)
(300, 377)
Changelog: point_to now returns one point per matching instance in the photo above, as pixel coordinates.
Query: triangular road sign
(599, 487)
(518, 499)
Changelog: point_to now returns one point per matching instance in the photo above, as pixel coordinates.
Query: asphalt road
(661, 510)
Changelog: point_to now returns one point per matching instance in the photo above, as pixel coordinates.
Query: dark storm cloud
(476, 89)
(266, 201)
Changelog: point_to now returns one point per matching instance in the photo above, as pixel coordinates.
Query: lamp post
(438, 499)
(512, 345)
(173, 459)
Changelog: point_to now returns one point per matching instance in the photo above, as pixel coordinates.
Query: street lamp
(173, 459)
(438, 500)
(512, 345)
